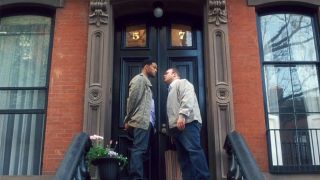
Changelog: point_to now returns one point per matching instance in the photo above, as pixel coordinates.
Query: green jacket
(139, 102)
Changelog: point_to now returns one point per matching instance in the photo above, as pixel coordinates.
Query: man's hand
(181, 122)
(126, 126)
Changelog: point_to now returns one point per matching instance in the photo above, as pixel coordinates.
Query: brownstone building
(65, 66)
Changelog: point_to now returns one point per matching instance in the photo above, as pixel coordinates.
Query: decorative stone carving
(223, 94)
(97, 114)
(217, 12)
(98, 14)
(95, 94)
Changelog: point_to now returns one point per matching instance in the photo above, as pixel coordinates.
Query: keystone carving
(98, 12)
(217, 12)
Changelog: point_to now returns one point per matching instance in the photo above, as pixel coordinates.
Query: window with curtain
(24, 67)
(290, 66)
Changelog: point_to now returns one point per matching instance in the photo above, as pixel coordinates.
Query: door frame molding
(218, 84)
(219, 96)
(99, 71)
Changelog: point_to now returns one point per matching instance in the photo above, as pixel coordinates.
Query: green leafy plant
(98, 151)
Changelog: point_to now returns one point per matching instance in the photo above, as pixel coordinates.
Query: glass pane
(305, 88)
(297, 121)
(21, 142)
(313, 120)
(275, 146)
(308, 121)
(24, 48)
(181, 35)
(287, 121)
(301, 121)
(288, 37)
(289, 146)
(278, 89)
(281, 121)
(22, 99)
(136, 36)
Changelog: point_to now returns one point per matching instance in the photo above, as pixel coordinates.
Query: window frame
(36, 10)
(51, 3)
(313, 14)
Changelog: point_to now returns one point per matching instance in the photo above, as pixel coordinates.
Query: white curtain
(24, 49)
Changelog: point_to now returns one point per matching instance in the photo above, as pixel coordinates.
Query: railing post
(241, 162)
(74, 165)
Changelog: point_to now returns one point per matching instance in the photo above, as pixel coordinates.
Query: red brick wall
(246, 78)
(67, 81)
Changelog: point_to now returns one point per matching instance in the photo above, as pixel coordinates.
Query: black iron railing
(74, 166)
(242, 165)
(294, 150)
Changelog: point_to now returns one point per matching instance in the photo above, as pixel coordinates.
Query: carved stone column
(219, 85)
(97, 107)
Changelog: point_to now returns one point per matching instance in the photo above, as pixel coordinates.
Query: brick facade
(67, 81)
(246, 79)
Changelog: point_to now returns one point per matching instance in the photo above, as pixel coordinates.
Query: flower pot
(108, 168)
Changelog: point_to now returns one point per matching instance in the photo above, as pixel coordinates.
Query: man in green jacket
(140, 117)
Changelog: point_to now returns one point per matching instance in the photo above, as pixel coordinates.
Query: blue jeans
(139, 151)
(192, 160)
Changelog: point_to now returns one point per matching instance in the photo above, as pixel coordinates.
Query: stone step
(26, 177)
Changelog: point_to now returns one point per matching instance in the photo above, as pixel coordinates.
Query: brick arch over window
(52, 3)
(264, 2)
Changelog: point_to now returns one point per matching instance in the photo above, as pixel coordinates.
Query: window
(136, 36)
(181, 35)
(24, 67)
(290, 62)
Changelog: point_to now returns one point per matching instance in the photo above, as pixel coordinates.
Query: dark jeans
(139, 151)
(192, 160)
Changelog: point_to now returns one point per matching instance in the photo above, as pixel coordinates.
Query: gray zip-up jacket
(182, 100)
(139, 102)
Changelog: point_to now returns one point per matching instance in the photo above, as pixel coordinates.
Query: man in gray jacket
(185, 125)
(140, 117)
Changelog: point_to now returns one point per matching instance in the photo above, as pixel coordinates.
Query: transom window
(136, 36)
(24, 62)
(291, 83)
(181, 35)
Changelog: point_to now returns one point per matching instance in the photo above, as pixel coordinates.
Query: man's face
(169, 76)
(152, 70)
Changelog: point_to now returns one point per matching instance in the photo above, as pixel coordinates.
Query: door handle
(163, 128)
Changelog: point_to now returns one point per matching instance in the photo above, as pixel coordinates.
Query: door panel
(128, 63)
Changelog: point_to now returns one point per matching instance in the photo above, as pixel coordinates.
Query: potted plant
(108, 161)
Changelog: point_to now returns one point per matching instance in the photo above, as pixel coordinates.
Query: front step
(26, 177)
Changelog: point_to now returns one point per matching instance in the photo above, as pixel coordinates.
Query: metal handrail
(242, 165)
(74, 166)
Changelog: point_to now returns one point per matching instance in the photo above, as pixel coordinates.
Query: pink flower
(96, 137)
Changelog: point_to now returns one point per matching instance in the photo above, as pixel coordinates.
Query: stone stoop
(26, 177)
